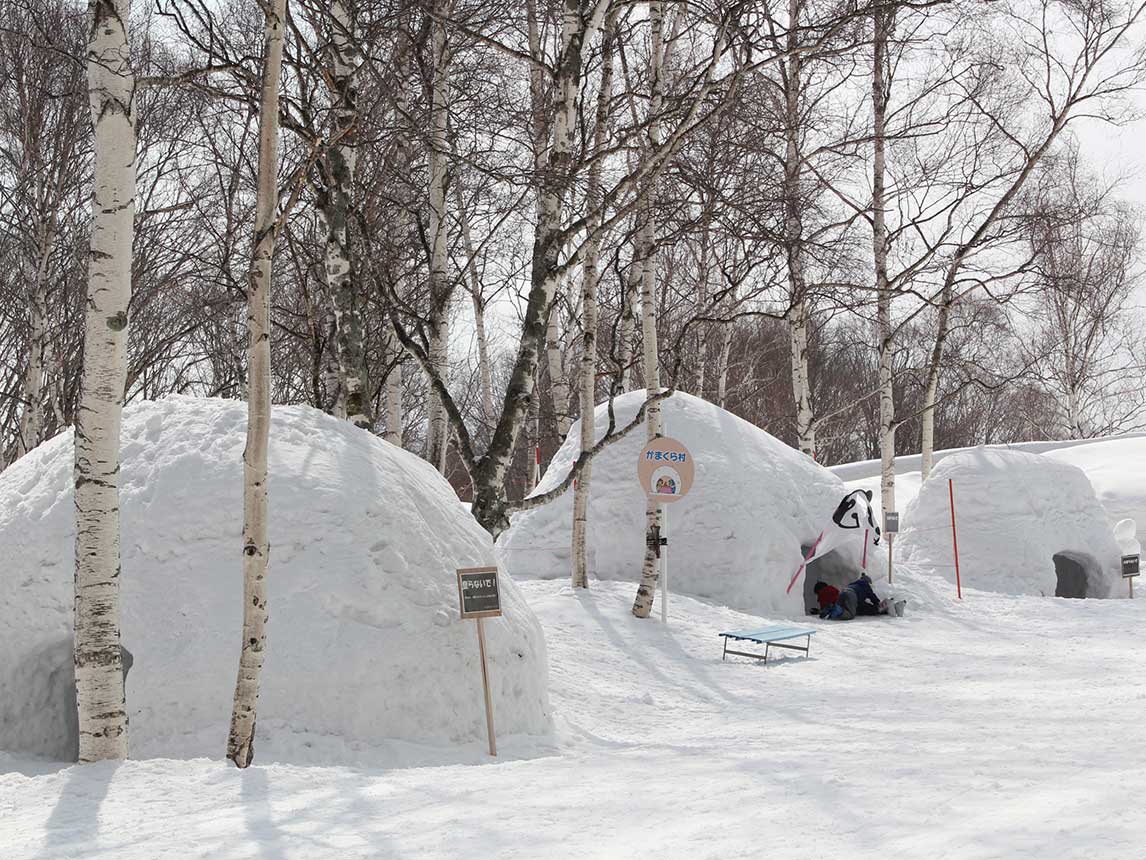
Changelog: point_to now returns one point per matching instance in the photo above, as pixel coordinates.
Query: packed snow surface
(998, 727)
(1015, 511)
(736, 538)
(366, 653)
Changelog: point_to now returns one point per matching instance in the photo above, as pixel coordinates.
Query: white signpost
(665, 469)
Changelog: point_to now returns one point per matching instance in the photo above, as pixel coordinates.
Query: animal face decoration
(854, 512)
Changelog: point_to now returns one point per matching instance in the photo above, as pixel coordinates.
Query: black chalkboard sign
(477, 592)
(1129, 566)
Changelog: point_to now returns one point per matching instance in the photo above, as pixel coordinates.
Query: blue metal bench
(769, 637)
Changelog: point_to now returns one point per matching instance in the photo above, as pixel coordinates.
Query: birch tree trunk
(558, 385)
(722, 365)
(100, 700)
(879, 241)
(485, 371)
(256, 546)
(334, 203)
(33, 387)
(393, 395)
(643, 604)
(628, 324)
(437, 437)
(589, 315)
(794, 239)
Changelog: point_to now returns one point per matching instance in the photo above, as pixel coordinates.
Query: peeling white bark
(643, 604)
(256, 545)
(879, 239)
(334, 203)
(589, 313)
(437, 436)
(100, 696)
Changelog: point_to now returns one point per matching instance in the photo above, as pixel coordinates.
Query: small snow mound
(364, 639)
(736, 538)
(1027, 524)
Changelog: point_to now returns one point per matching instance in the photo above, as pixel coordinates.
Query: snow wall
(1117, 471)
(735, 538)
(1015, 512)
(365, 644)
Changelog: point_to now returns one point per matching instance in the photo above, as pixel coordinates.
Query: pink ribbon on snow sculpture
(851, 514)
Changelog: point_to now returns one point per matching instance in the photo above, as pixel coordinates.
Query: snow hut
(1027, 524)
(755, 508)
(364, 643)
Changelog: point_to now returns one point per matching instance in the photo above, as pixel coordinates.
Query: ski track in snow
(1002, 727)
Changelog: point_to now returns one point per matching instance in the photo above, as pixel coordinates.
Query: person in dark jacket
(858, 598)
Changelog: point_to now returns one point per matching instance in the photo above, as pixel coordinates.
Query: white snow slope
(1002, 728)
(365, 646)
(1014, 511)
(735, 538)
(1117, 469)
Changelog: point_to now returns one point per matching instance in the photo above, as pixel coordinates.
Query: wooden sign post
(891, 529)
(480, 599)
(1130, 564)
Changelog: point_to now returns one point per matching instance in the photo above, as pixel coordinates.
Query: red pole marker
(865, 534)
(800, 569)
(954, 538)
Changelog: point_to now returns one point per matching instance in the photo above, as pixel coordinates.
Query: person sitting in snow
(858, 598)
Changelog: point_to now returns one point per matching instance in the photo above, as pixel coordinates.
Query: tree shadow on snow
(258, 815)
(667, 643)
(74, 822)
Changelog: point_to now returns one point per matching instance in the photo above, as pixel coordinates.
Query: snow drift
(365, 645)
(735, 539)
(1117, 470)
(1028, 524)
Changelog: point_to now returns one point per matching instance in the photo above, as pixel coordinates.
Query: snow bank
(365, 646)
(736, 538)
(1016, 511)
(1117, 469)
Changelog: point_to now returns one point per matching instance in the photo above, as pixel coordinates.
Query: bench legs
(807, 649)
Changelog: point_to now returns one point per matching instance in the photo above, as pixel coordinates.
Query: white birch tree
(256, 545)
(100, 698)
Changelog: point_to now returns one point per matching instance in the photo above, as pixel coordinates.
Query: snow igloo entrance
(830, 568)
(1074, 572)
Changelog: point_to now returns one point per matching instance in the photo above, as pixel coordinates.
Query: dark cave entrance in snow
(830, 568)
(1074, 571)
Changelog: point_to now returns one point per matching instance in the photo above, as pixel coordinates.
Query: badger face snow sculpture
(852, 520)
(854, 512)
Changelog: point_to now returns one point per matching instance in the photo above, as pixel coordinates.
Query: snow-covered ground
(999, 727)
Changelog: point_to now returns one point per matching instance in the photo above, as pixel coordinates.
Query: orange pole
(954, 537)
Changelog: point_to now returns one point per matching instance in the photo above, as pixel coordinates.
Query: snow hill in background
(1117, 470)
(1015, 511)
(365, 645)
(736, 538)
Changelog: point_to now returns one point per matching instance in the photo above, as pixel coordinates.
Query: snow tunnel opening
(830, 568)
(1073, 572)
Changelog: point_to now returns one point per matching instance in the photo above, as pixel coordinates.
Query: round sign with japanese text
(665, 470)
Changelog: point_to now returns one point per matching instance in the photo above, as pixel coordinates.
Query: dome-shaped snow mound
(365, 644)
(1027, 524)
(736, 538)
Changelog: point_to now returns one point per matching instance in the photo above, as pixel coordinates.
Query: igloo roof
(364, 640)
(1015, 511)
(735, 538)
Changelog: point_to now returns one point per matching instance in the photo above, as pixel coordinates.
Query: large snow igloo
(364, 641)
(1027, 524)
(755, 507)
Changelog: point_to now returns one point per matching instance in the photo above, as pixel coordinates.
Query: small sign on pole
(665, 469)
(1130, 570)
(1129, 566)
(480, 599)
(891, 522)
